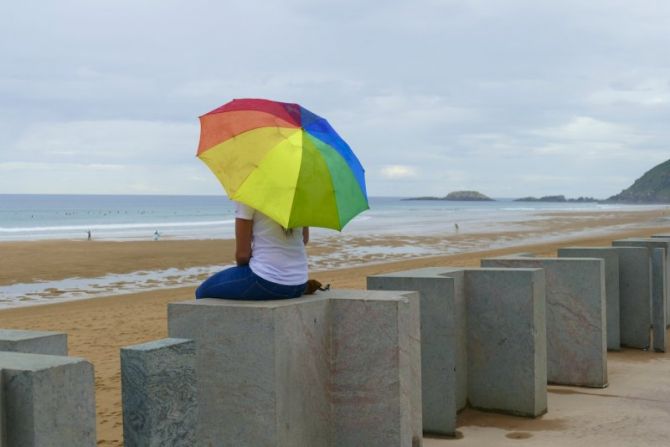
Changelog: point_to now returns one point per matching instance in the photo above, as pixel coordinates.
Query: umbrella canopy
(284, 161)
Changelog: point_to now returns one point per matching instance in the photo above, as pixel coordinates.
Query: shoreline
(37, 272)
(547, 248)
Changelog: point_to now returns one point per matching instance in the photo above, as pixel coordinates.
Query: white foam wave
(120, 227)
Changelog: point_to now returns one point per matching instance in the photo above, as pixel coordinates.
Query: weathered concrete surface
(3, 441)
(239, 348)
(576, 327)
(666, 239)
(339, 368)
(651, 243)
(33, 342)
(632, 411)
(49, 400)
(506, 339)
(377, 343)
(659, 286)
(443, 341)
(158, 386)
(611, 258)
(635, 296)
(478, 311)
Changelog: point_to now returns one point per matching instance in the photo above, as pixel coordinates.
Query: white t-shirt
(275, 255)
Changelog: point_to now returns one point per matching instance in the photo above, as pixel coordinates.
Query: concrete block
(659, 286)
(338, 368)
(49, 400)
(635, 295)
(443, 341)
(506, 340)
(159, 393)
(3, 440)
(376, 388)
(33, 342)
(611, 259)
(451, 298)
(575, 317)
(651, 243)
(242, 388)
(666, 239)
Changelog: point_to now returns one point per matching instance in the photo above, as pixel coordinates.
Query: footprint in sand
(518, 435)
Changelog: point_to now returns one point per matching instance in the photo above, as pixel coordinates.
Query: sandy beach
(98, 328)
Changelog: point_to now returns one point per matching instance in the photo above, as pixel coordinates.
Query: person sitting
(271, 261)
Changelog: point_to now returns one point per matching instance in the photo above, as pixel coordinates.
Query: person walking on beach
(88, 235)
(271, 261)
(157, 235)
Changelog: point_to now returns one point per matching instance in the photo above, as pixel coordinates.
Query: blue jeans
(240, 283)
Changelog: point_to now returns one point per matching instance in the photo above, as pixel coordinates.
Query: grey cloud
(485, 95)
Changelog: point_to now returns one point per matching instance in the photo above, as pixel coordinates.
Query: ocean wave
(120, 227)
(519, 209)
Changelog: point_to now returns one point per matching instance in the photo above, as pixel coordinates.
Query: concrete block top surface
(427, 272)
(609, 254)
(366, 295)
(265, 304)
(337, 294)
(504, 269)
(34, 362)
(545, 259)
(642, 239)
(658, 242)
(443, 272)
(158, 344)
(642, 243)
(20, 335)
(606, 249)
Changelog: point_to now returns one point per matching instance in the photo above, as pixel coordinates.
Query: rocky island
(556, 199)
(465, 196)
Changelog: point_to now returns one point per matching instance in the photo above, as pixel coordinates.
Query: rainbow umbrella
(284, 161)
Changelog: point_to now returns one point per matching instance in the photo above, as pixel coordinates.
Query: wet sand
(638, 397)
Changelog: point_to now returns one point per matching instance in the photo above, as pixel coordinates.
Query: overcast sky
(510, 98)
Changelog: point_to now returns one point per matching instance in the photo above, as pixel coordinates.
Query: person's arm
(243, 230)
(305, 235)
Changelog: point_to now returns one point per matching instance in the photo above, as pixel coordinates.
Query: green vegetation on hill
(559, 199)
(457, 196)
(652, 187)
(467, 195)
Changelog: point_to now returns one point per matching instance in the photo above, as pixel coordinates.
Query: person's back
(271, 261)
(278, 255)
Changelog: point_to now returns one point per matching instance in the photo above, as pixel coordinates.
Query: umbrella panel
(217, 128)
(349, 198)
(270, 187)
(235, 159)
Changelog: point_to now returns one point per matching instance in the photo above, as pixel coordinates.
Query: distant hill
(465, 196)
(652, 187)
(559, 199)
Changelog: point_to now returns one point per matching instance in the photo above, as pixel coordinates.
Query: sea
(138, 217)
(147, 217)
